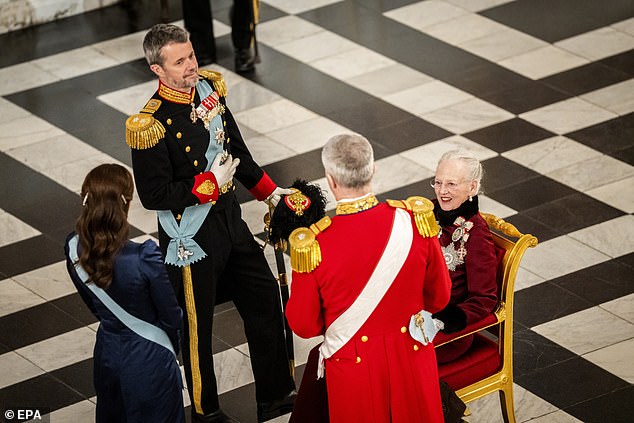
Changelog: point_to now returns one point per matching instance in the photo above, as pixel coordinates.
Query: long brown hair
(103, 225)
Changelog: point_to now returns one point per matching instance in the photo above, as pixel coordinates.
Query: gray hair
(349, 159)
(475, 172)
(158, 37)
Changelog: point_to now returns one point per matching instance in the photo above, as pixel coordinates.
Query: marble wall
(18, 14)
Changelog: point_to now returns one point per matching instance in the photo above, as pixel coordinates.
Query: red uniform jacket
(382, 374)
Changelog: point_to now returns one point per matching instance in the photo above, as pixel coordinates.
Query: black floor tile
(44, 392)
(526, 97)
(554, 21)
(76, 308)
(599, 283)
(78, 377)
(527, 225)
(307, 166)
(508, 135)
(583, 79)
(501, 173)
(545, 302)
(626, 155)
(572, 212)
(613, 407)
(622, 61)
(35, 324)
(530, 193)
(532, 352)
(570, 382)
(627, 259)
(29, 254)
(229, 328)
(406, 134)
(608, 137)
(401, 193)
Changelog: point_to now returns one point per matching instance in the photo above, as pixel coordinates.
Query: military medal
(453, 257)
(192, 115)
(208, 108)
(219, 134)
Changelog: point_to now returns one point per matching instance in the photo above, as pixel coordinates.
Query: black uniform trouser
(235, 268)
(198, 18)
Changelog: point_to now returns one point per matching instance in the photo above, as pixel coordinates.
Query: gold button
(415, 347)
(179, 135)
(358, 360)
(178, 216)
(188, 149)
(169, 121)
(195, 162)
(403, 329)
(228, 139)
(364, 338)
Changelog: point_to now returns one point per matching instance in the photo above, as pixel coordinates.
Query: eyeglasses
(451, 185)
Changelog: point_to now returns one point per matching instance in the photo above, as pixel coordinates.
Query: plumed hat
(305, 206)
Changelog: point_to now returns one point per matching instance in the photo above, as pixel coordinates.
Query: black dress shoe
(216, 417)
(271, 409)
(244, 60)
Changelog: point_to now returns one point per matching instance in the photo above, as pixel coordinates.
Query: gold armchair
(488, 365)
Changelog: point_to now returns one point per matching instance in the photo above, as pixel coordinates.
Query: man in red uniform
(358, 279)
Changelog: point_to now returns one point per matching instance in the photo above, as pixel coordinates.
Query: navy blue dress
(136, 380)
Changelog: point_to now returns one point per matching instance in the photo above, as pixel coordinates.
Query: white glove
(224, 172)
(276, 195)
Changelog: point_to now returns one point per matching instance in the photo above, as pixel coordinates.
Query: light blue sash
(140, 327)
(182, 250)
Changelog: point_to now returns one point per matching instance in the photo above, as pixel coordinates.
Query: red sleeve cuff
(263, 188)
(205, 187)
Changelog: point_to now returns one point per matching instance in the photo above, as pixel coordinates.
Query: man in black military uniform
(186, 148)
(198, 18)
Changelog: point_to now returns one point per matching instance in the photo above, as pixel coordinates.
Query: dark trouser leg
(242, 35)
(256, 295)
(197, 297)
(197, 16)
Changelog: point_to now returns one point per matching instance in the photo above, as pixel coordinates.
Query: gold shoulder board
(217, 79)
(304, 248)
(143, 131)
(397, 204)
(423, 211)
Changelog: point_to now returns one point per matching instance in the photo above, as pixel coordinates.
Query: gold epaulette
(216, 77)
(143, 131)
(423, 211)
(304, 248)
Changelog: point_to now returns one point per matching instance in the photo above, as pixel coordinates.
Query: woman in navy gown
(136, 379)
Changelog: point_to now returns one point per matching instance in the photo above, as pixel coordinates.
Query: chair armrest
(488, 321)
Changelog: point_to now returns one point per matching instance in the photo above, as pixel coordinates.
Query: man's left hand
(276, 195)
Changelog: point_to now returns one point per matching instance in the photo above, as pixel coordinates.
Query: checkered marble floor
(542, 91)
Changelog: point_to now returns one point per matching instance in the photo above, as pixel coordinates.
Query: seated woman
(467, 246)
(125, 285)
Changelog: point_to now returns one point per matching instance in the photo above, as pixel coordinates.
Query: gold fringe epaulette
(143, 131)
(304, 248)
(423, 211)
(216, 77)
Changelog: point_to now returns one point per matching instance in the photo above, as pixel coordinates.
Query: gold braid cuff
(423, 211)
(304, 248)
(216, 78)
(142, 131)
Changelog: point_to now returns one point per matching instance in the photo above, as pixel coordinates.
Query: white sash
(345, 326)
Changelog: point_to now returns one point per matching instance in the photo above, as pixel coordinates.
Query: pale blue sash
(140, 327)
(182, 250)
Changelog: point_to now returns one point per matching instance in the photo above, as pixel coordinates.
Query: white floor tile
(424, 14)
(626, 26)
(598, 44)
(49, 282)
(283, 30)
(592, 173)
(464, 28)
(267, 150)
(352, 63)
(317, 46)
(467, 116)
(619, 194)
(15, 297)
(614, 237)
(24, 131)
(617, 98)
(503, 44)
(560, 256)
(477, 5)
(308, 135)
(15, 369)
(543, 62)
(60, 351)
(14, 230)
(622, 307)
(73, 63)
(567, 115)
(587, 330)
(427, 97)
(428, 155)
(299, 6)
(551, 154)
(389, 80)
(616, 359)
(274, 116)
(22, 77)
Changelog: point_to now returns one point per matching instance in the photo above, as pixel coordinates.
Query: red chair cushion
(487, 321)
(480, 361)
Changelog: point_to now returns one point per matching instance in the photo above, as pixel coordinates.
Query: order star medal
(219, 135)
(452, 257)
